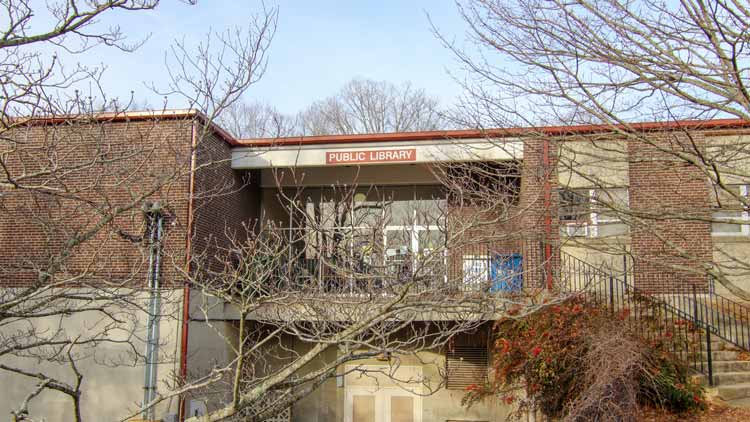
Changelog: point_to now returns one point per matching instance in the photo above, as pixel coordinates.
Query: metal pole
(154, 219)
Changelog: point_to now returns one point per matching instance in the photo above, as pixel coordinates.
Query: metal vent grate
(466, 364)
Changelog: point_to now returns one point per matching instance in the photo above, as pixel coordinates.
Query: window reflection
(397, 228)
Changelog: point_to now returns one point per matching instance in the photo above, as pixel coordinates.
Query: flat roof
(496, 133)
(129, 116)
(712, 124)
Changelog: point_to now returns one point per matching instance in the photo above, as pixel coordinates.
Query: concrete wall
(731, 250)
(728, 252)
(659, 183)
(112, 383)
(327, 403)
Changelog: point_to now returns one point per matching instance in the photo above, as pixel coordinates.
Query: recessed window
(467, 360)
(730, 216)
(606, 216)
(575, 205)
(593, 212)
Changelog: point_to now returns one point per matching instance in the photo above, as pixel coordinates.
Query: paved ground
(744, 403)
(716, 412)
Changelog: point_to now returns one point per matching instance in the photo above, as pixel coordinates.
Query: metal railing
(728, 319)
(691, 320)
(360, 260)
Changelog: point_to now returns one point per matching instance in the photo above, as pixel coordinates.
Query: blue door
(506, 273)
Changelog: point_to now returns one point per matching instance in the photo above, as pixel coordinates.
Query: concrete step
(716, 355)
(730, 365)
(724, 378)
(723, 355)
(743, 403)
(739, 338)
(734, 392)
(731, 378)
(716, 345)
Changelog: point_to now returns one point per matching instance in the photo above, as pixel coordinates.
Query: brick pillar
(540, 225)
(662, 186)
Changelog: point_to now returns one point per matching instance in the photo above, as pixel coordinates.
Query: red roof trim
(494, 133)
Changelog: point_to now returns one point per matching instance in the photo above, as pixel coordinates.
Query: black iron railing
(362, 260)
(692, 320)
(728, 319)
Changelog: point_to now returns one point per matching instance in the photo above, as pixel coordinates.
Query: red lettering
(377, 156)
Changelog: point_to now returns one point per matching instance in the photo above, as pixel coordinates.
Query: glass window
(593, 212)
(430, 206)
(729, 227)
(730, 218)
(393, 226)
(575, 205)
(368, 209)
(727, 197)
(399, 205)
(607, 216)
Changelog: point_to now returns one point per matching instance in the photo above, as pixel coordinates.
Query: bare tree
(367, 106)
(257, 120)
(79, 193)
(107, 225)
(315, 298)
(361, 106)
(615, 63)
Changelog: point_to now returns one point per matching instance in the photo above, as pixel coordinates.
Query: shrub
(576, 361)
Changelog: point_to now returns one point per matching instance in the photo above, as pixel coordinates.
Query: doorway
(384, 404)
(375, 393)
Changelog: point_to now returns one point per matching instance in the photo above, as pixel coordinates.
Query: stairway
(687, 314)
(731, 373)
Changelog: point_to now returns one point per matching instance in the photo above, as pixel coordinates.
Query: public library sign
(373, 156)
(375, 153)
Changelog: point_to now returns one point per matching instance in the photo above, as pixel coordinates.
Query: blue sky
(319, 45)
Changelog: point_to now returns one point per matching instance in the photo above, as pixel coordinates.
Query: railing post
(612, 294)
(710, 357)
(707, 329)
(321, 287)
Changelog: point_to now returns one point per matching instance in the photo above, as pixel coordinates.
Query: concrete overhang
(375, 153)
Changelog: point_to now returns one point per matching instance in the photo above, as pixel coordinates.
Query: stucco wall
(598, 162)
(728, 251)
(438, 404)
(112, 384)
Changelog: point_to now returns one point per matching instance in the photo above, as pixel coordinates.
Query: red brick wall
(535, 209)
(110, 163)
(98, 168)
(660, 186)
(106, 165)
(227, 202)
